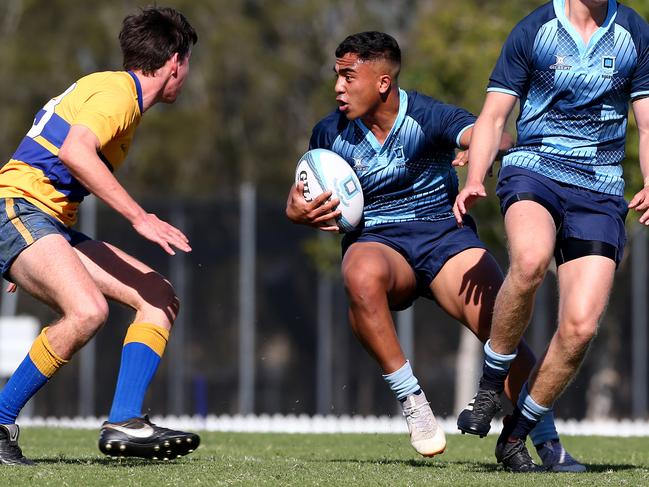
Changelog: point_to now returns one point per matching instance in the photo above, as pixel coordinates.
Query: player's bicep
(79, 142)
(498, 106)
(641, 113)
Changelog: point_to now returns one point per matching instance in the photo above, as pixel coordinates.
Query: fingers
(640, 203)
(458, 211)
(644, 219)
(12, 287)
(461, 158)
(637, 199)
(330, 228)
(162, 233)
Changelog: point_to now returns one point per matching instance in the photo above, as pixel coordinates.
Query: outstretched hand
(162, 233)
(320, 213)
(640, 203)
(465, 200)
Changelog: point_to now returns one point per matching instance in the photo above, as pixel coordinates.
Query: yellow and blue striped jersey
(109, 104)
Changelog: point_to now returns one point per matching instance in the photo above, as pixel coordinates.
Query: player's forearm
(91, 172)
(641, 112)
(644, 155)
(485, 144)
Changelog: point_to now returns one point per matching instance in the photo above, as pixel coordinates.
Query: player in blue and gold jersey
(401, 144)
(76, 142)
(574, 66)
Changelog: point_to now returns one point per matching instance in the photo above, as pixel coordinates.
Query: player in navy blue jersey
(401, 145)
(574, 65)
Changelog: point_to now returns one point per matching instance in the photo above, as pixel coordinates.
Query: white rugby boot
(426, 435)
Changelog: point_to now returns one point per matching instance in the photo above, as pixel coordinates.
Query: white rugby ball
(323, 170)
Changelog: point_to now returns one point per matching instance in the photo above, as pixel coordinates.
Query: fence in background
(262, 331)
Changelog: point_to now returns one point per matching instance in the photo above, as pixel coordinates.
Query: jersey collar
(401, 116)
(138, 89)
(560, 12)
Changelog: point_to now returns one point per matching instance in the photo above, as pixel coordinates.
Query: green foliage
(69, 457)
(261, 77)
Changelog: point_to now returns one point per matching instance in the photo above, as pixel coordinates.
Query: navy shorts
(425, 245)
(21, 224)
(587, 222)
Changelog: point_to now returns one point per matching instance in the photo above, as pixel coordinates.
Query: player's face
(174, 85)
(357, 86)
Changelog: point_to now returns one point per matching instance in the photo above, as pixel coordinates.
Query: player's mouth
(343, 106)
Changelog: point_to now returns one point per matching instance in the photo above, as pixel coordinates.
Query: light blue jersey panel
(574, 96)
(409, 177)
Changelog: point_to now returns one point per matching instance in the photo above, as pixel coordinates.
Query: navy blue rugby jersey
(574, 96)
(409, 177)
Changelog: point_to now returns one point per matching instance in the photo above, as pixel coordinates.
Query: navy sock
(495, 368)
(492, 379)
(522, 425)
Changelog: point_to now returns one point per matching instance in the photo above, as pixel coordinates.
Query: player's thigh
(50, 270)
(584, 288)
(378, 268)
(466, 288)
(531, 235)
(125, 279)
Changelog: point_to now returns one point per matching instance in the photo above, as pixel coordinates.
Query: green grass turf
(70, 458)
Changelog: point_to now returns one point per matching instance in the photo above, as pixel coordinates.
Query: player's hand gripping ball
(323, 170)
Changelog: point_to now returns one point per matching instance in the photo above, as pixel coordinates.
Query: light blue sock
(402, 381)
(498, 361)
(545, 430)
(529, 407)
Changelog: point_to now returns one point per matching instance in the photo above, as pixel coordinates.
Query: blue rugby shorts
(426, 245)
(21, 224)
(587, 222)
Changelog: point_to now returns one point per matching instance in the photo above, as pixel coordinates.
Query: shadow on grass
(111, 462)
(388, 461)
(482, 467)
(591, 468)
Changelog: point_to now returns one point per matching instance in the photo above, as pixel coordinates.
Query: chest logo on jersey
(359, 165)
(608, 67)
(399, 157)
(561, 63)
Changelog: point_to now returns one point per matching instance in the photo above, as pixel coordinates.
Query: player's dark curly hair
(148, 39)
(371, 46)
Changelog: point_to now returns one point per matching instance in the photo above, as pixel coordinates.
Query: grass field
(69, 458)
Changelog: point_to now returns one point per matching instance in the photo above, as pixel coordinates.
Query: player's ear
(385, 82)
(174, 61)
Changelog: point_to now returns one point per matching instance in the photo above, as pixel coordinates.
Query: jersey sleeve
(512, 70)
(451, 122)
(107, 113)
(324, 132)
(640, 79)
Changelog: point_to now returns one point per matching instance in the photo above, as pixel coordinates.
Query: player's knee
(363, 283)
(578, 331)
(89, 315)
(528, 271)
(160, 297)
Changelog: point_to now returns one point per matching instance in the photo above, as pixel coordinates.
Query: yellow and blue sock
(40, 364)
(143, 348)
